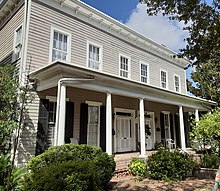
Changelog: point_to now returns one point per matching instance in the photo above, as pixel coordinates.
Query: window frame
(166, 79)
(95, 104)
(175, 75)
(129, 65)
(148, 78)
(100, 55)
(15, 44)
(68, 34)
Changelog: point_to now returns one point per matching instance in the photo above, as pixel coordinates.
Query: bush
(166, 165)
(210, 161)
(137, 167)
(71, 167)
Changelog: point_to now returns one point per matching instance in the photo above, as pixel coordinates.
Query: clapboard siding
(43, 18)
(27, 144)
(7, 33)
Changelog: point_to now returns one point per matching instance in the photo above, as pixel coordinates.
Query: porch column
(142, 129)
(182, 131)
(197, 115)
(109, 123)
(61, 115)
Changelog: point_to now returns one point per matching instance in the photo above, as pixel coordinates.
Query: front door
(149, 124)
(123, 134)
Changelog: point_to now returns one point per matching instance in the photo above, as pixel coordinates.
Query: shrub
(137, 167)
(166, 165)
(71, 167)
(210, 161)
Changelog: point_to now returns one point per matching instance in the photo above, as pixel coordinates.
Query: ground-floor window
(93, 129)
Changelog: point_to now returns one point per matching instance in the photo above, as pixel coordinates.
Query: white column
(62, 115)
(182, 131)
(109, 124)
(197, 115)
(142, 129)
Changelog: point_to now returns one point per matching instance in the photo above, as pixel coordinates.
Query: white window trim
(167, 85)
(15, 37)
(129, 65)
(98, 104)
(148, 74)
(68, 43)
(175, 75)
(100, 53)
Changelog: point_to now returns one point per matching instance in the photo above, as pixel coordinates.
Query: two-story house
(97, 81)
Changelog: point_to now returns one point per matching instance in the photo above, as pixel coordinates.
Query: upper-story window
(60, 45)
(163, 79)
(94, 56)
(144, 73)
(124, 66)
(18, 43)
(177, 83)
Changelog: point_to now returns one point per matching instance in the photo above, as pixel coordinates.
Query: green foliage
(8, 103)
(11, 178)
(71, 167)
(206, 132)
(166, 165)
(210, 161)
(137, 167)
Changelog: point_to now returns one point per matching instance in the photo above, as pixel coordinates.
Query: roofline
(33, 74)
(184, 61)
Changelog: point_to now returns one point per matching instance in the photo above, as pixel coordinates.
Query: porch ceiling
(48, 77)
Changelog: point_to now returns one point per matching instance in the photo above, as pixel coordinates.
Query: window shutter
(162, 128)
(41, 144)
(83, 123)
(177, 127)
(171, 127)
(103, 128)
(69, 121)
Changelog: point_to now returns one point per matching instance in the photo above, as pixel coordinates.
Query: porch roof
(47, 77)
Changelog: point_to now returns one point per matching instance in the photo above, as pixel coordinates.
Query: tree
(206, 132)
(203, 24)
(13, 101)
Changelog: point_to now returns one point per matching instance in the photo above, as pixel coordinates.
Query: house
(96, 81)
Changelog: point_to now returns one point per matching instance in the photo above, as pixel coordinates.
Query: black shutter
(103, 128)
(162, 128)
(69, 121)
(83, 123)
(171, 126)
(177, 127)
(41, 144)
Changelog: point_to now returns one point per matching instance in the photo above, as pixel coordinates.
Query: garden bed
(204, 173)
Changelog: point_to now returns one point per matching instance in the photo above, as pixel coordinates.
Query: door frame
(132, 117)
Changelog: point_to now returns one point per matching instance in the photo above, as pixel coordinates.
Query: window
(60, 46)
(93, 131)
(94, 56)
(177, 83)
(163, 79)
(18, 43)
(124, 66)
(144, 73)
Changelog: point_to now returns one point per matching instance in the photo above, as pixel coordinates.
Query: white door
(124, 134)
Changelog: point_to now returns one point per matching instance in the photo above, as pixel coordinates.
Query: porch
(110, 112)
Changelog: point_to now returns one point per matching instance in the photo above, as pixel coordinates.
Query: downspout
(64, 80)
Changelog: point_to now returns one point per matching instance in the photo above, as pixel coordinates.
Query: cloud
(158, 28)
